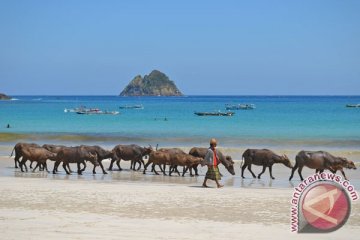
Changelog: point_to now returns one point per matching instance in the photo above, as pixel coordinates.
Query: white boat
(240, 106)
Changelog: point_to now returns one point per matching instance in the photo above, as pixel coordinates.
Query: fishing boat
(353, 105)
(96, 111)
(240, 106)
(218, 113)
(139, 106)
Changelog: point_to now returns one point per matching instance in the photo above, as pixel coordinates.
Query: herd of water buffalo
(172, 157)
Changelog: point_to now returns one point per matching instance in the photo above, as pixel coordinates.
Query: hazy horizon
(229, 48)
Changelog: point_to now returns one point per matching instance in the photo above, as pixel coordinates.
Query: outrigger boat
(140, 106)
(353, 105)
(219, 113)
(240, 106)
(96, 111)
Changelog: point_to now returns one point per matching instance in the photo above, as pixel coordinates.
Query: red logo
(325, 207)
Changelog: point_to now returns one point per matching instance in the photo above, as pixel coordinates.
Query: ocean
(277, 121)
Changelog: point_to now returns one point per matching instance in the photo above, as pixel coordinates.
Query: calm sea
(277, 120)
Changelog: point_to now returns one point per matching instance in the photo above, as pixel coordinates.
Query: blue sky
(206, 47)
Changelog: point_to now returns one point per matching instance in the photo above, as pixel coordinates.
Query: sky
(206, 47)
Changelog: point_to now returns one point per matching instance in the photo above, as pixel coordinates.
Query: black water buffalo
(101, 155)
(37, 154)
(18, 148)
(75, 155)
(262, 157)
(320, 160)
(133, 153)
(224, 160)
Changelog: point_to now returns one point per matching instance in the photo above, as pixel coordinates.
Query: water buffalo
(225, 160)
(75, 155)
(19, 151)
(55, 149)
(172, 151)
(320, 160)
(262, 157)
(158, 158)
(131, 152)
(101, 155)
(185, 160)
(37, 154)
(349, 165)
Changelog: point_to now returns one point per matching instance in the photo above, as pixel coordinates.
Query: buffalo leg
(293, 170)
(343, 173)
(176, 170)
(64, 166)
(37, 165)
(270, 170)
(16, 160)
(162, 169)
(252, 173)
(185, 168)
(111, 164)
(79, 169)
(153, 168)
(263, 170)
(22, 163)
(56, 164)
(31, 162)
(45, 166)
(243, 169)
(118, 164)
(102, 167)
(195, 170)
(145, 166)
(299, 171)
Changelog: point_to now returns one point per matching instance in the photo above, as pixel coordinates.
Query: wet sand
(127, 204)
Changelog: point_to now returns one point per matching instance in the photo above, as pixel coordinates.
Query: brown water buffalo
(349, 165)
(37, 154)
(262, 157)
(172, 151)
(133, 153)
(185, 160)
(75, 155)
(158, 158)
(224, 160)
(320, 160)
(18, 148)
(101, 155)
(55, 149)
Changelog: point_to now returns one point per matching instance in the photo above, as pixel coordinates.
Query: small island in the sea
(4, 97)
(154, 84)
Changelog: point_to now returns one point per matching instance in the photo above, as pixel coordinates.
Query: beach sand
(130, 205)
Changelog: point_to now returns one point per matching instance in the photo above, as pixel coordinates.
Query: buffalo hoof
(272, 178)
(94, 172)
(105, 172)
(16, 167)
(259, 177)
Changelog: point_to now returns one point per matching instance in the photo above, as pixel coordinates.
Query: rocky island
(154, 84)
(4, 97)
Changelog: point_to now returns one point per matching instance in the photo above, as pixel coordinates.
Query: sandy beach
(128, 204)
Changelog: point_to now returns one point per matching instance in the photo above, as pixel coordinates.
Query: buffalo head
(286, 161)
(93, 158)
(229, 165)
(348, 164)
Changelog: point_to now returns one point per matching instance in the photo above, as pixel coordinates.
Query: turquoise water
(277, 119)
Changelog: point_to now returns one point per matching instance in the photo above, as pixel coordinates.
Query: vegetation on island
(154, 84)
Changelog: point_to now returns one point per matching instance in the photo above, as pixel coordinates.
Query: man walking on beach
(212, 162)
